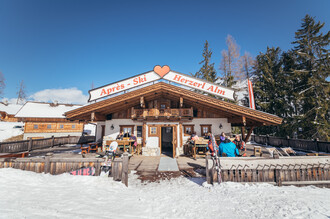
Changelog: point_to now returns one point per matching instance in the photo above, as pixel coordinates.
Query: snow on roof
(44, 110)
(10, 109)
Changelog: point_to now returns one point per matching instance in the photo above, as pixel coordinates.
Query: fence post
(97, 168)
(53, 141)
(317, 144)
(47, 162)
(207, 171)
(278, 177)
(124, 177)
(30, 145)
(68, 142)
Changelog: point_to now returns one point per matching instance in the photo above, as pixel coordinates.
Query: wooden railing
(34, 144)
(59, 165)
(299, 144)
(156, 113)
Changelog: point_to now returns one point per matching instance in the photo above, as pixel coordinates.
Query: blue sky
(61, 46)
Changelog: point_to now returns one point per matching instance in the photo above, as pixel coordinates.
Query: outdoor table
(122, 144)
(200, 143)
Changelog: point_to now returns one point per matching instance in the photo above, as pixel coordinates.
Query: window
(35, 126)
(49, 126)
(61, 126)
(73, 126)
(188, 129)
(127, 129)
(205, 129)
(153, 131)
(162, 106)
(139, 131)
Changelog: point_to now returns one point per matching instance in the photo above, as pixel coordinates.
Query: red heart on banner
(161, 71)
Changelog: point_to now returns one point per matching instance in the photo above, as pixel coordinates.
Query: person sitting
(228, 149)
(194, 136)
(133, 137)
(120, 136)
(240, 145)
(222, 137)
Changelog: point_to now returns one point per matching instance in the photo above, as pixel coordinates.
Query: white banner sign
(158, 73)
(122, 85)
(200, 84)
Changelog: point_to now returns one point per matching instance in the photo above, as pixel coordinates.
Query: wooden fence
(282, 173)
(34, 144)
(56, 166)
(299, 144)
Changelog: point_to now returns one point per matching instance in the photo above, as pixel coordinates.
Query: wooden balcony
(154, 114)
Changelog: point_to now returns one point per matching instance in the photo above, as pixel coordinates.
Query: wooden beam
(97, 117)
(181, 102)
(144, 134)
(180, 133)
(243, 132)
(249, 134)
(142, 103)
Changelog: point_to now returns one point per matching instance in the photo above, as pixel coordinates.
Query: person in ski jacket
(212, 144)
(240, 145)
(228, 149)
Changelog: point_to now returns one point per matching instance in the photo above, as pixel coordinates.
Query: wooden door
(175, 141)
(102, 131)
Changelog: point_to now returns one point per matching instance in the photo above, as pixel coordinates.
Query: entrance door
(102, 131)
(167, 140)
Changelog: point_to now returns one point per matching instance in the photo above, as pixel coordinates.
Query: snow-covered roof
(10, 109)
(44, 110)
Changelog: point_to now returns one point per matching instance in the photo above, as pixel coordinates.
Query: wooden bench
(84, 149)
(93, 147)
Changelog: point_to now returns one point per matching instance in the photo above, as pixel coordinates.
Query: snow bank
(7, 130)
(32, 195)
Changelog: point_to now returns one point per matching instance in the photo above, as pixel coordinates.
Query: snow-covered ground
(7, 129)
(30, 195)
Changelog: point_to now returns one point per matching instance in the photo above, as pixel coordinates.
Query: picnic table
(122, 144)
(92, 147)
(200, 143)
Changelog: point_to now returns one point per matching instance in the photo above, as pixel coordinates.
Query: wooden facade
(43, 120)
(8, 117)
(167, 115)
(206, 106)
(52, 127)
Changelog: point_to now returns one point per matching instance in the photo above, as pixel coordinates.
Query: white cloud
(68, 95)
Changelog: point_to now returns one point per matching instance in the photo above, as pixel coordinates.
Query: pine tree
(311, 88)
(271, 87)
(207, 71)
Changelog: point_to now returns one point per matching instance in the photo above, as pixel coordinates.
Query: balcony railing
(165, 113)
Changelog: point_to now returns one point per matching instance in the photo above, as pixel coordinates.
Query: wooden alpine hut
(44, 120)
(163, 107)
